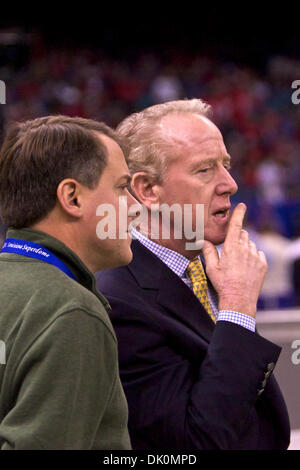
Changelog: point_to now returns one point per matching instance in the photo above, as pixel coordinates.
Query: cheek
(180, 192)
(188, 190)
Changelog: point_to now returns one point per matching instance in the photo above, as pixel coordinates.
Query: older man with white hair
(195, 372)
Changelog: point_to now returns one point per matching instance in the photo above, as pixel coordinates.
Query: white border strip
(295, 440)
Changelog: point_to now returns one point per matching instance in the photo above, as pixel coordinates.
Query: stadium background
(108, 63)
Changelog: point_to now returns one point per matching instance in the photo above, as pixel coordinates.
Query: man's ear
(144, 188)
(69, 197)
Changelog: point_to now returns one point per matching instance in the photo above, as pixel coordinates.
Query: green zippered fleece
(59, 386)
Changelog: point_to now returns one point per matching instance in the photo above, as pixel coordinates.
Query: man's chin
(216, 239)
(125, 259)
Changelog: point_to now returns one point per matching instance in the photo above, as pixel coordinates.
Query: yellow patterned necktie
(197, 275)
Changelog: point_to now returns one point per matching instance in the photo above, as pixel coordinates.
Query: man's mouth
(222, 214)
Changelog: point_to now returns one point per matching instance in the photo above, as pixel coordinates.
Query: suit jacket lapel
(176, 296)
(172, 293)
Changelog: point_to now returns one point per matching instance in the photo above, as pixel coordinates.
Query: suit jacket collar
(172, 293)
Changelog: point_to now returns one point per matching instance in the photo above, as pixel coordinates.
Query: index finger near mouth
(236, 223)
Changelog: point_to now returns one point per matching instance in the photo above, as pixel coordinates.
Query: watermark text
(2, 92)
(296, 93)
(166, 222)
(296, 353)
(2, 352)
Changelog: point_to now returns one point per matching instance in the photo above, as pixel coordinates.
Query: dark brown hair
(37, 155)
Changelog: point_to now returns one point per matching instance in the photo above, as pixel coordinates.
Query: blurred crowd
(253, 108)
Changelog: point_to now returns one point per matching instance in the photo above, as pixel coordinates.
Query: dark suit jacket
(190, 384)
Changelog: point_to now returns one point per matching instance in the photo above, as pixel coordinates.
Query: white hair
(149, 148)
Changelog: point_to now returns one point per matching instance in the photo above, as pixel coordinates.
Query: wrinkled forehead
(189, 133)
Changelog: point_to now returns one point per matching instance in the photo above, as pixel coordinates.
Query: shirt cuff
(238, 318)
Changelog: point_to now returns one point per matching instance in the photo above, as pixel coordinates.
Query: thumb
(210, 254)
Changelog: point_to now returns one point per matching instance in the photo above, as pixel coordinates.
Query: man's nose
(226, 183)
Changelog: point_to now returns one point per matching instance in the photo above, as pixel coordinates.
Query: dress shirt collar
(175, 261)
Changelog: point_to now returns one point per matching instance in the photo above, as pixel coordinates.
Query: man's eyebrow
(208, 161)
(127, 177)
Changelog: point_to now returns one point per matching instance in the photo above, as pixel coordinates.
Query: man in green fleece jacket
(59, 378)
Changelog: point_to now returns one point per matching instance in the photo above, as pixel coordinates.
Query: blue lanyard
(34, 250)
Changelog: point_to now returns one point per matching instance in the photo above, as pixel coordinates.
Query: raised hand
(239, 273)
